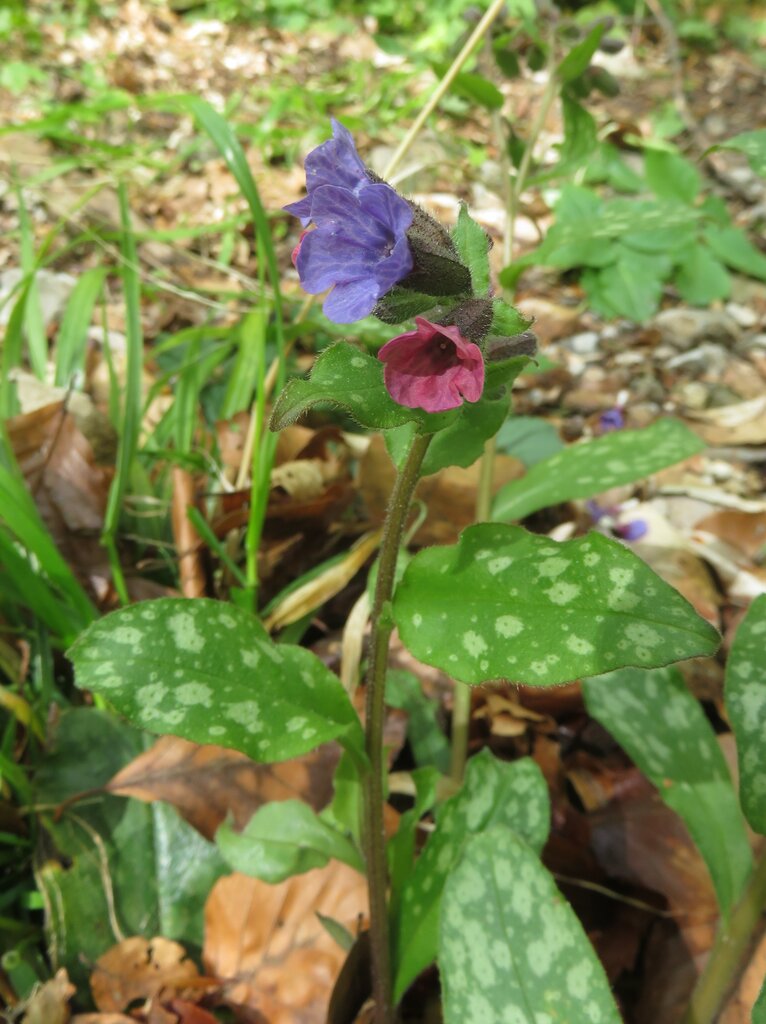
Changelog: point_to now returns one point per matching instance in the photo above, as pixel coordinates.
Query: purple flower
(634, 529)
(335, 162)
(612, 419)
(433, 368)
(359, 248)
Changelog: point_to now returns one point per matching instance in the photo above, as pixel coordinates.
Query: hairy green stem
(727, 957)
(492, 12)
(382, 626)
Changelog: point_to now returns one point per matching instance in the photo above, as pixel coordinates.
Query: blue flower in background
(335, 162)
(358, 245)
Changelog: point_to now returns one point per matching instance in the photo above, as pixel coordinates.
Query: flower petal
(339, 211)
(325, 259)
(394, 267)
(335, 162)
(351, 301)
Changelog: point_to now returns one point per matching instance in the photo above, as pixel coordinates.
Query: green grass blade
(33, 318)
(131, 411)
(73, 334)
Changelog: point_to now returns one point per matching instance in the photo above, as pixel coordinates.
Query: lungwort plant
(502, 603)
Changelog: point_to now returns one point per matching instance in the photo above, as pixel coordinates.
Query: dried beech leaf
(207, 783)
(270, 943)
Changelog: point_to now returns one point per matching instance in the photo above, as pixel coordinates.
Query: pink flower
(433, 368)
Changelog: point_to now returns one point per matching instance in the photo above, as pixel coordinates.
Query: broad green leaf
(529, 438)
(745, 692)
(125, 865)
(630, 287)
(701, 278)
(753, 145)
(512, 794)
(207, 671)
(352, 380)
(511, 947)
(473, 244)
(579, 57)
(475, 87)
(669, 176)
(284, 838)
(591, 467)
(654, 717)
(732, 246)
(503, 603)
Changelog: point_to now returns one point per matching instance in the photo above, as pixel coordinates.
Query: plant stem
(382, 626)
(491, 13)
(728, 953)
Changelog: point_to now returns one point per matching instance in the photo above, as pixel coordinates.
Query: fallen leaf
(139, 969)
(50, 1003)
(743, 423)
(268, 944)
(207, 783)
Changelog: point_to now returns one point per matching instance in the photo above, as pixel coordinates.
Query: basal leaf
(207, 671)
(732, 246)
(669, 176)
(351, 380)
(654, 717)
(284, 838)
(513, 794)
(511, 947)
(745, 692)
(701, 278)
(473, 244)
(503, 603)
(591, 467)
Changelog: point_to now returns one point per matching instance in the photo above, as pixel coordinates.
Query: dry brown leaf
(449, 495)
(50, 1003)
(102, 1018)
(139, 969)
(743, 530)
(269, 945)
(207, 783)
(743, 423)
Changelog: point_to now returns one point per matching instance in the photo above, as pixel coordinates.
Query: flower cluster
(360, 239)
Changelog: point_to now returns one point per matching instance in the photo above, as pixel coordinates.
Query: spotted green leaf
(503, 603)
(345, 377)
(745, 692)
(494, 793)
(473, 244)
(285, 838)
(592, 467)
(510, 947)
(208, 672)
(654, 717)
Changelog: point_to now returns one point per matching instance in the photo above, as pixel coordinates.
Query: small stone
(693, 394)
(629, 359)
(705, 358)
(743, 315)
(584, 343)
(683, 328)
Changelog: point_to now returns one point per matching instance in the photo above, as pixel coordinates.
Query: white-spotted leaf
(591, 467)
(510, 947)
(513, 794)
(745, 692)
(207, 671)
(349, 379)
(285, 838)
(503, 603)
(654, 717)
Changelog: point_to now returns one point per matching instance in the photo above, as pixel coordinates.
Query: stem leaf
(510, 946)
(209, 672)
(745, 691)
(494, 793)
(503, 603)
(655, 718)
